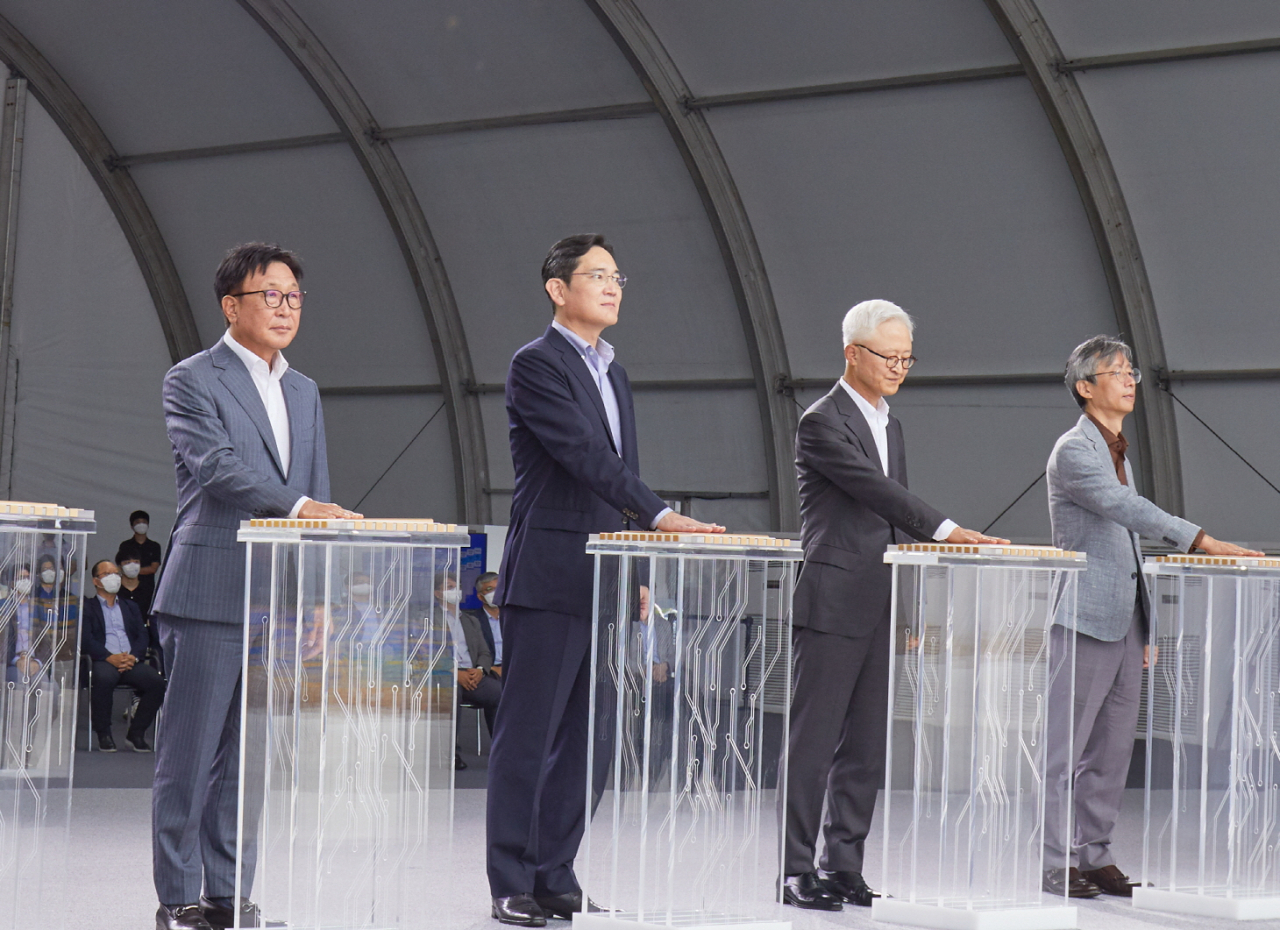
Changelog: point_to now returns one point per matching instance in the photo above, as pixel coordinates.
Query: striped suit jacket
(228, 470)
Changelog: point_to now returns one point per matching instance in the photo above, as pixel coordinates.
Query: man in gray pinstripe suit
(248, 441)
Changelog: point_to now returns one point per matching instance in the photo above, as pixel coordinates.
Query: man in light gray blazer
(1094, 509)
(854, 503)
(248, 441)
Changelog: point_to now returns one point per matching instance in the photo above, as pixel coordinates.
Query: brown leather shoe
(1060, 882)
(1111, 880)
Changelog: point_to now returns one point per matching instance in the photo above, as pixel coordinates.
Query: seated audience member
(114, 639)
(472, 658)
(23, 663)
(138, 548)
(132, 589)
(487, 617)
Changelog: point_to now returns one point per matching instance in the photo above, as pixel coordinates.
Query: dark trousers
(538, 759)
(195, 797)
(484, 696)
(1102, 727)
(142, 678)
(836, 747)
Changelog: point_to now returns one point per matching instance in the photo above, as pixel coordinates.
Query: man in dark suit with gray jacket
(1094, 508)
(854, 504)
(248, 441)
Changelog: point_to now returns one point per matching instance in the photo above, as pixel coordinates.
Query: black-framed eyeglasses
(599, 277)
(1120, 376)
(274, 298)
(893, 361)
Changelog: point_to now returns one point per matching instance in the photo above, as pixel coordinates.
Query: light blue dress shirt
(113, 619)
(598, 358)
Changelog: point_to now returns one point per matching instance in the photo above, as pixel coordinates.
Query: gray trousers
(836, 747)
(194, 801)
(1108, 685)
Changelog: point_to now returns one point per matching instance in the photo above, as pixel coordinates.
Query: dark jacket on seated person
(93, 629)
(477, 643)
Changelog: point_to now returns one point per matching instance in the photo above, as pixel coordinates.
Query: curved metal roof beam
(116, 184)
(710, 173)
(1104, 203)
(404, 213)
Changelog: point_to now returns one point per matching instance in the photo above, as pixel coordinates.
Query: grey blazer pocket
(847, 559)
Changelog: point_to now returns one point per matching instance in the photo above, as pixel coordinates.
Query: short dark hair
(1082, 364)
(251, 258)
(443, 578)
(93, 572)
(139, 515)
(487, 576)
(562, 261)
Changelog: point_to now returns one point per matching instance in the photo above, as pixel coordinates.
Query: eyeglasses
(893, 361)
(273, 298)
(599, 277)
(1121, 376)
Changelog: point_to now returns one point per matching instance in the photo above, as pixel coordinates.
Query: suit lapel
(897, 453)
(855, 422)
(236, 377)
(626, 413)
(577, 366)
(293, 405)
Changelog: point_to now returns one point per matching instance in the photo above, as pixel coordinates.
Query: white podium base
(686, 920)
(955, 918)
(1204, 905)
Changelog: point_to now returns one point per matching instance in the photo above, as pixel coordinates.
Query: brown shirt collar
(1117, 445)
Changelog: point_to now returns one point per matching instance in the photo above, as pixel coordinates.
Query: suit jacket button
(1133, 575)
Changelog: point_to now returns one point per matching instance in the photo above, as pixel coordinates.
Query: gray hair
(865, 318)
(1082, 364)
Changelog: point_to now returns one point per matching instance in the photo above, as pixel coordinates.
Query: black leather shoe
(565, 906)
(519, 910)
(807, 890)
(181, 917)
(848, 886)
(138, 742)
(222, 916)
(458, 764)
(1072, 884)
(105, 742)
(1110, 880)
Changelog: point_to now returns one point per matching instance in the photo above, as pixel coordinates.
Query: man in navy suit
(573, 444)
(114, 637)
(248, 441)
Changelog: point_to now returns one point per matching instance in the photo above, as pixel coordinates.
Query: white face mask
(487, 597)
(48, 576)
(362, 590)
(131, 569)
(141, 528)
(451, 596)
(110, 583)
(22, 586)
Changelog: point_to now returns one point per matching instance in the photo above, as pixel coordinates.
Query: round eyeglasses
(273, 298)
(892, 361)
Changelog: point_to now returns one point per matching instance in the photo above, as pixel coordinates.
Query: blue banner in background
(473, 562)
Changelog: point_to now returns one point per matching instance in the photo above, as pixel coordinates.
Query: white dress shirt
(266, 378)
(877, 418)
(461, 653)
(598, 358)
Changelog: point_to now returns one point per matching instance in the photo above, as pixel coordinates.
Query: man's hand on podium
(962, 537)
(1210, 546)
(314, 510)
(675, 523)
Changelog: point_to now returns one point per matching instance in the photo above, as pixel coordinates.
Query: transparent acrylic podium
(971, 676)
(40, 636)
(689, 706)
(1211, 844)
(348, 713)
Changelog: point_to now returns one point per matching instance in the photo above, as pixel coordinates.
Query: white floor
(111, 862)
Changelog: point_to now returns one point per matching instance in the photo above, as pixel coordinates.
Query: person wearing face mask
(487, 618)
(51, 597)
(114, 639)
(473, 660)
(146, 552)
(20, 645)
